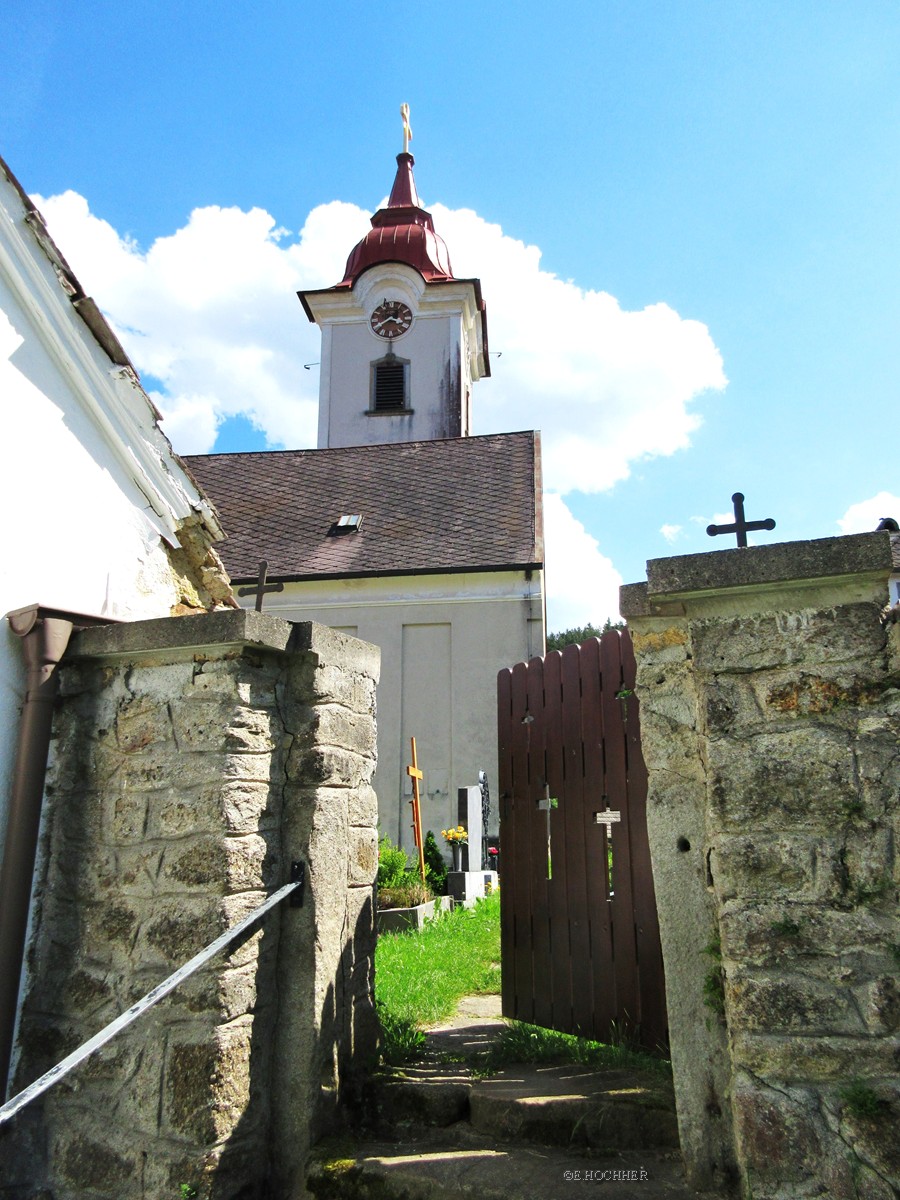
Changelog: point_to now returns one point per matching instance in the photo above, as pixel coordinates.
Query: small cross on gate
(261, 587)
(741, 525)
(607, 818)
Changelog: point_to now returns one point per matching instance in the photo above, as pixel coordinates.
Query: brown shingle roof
(464, 504)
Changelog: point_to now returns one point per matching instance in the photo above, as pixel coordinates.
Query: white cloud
(211, 313)
(606, 387)
(582, 584)
(864, 516)
(670, 532)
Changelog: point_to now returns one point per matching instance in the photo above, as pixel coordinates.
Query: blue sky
(737, 163)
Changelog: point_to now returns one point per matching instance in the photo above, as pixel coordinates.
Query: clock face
(391, 318)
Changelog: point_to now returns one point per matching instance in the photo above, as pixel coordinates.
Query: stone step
(563, 1106)
(576, 1106)
(454, 1163)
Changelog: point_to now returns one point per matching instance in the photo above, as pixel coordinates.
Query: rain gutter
(45, 634)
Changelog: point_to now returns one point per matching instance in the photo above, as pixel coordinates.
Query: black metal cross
(261, 587)
(741, 525)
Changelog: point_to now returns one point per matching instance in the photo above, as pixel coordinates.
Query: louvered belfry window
(389, 380)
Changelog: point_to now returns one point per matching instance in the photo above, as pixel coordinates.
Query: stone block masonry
(770, 721)
(194, 760)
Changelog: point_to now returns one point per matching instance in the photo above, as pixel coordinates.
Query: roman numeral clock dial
(391, 318)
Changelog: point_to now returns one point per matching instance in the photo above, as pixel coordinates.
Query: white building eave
(104, 381)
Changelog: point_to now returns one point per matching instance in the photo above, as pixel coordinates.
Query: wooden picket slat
(576, 957)
(508, 825)
(588, 718)
(577, 901)
(616, 791)
(523, 977)
(561, 956)
(540, 883)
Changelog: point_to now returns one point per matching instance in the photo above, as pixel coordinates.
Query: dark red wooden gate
(580, 941)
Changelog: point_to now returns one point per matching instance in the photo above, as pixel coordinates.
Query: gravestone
(471, 883)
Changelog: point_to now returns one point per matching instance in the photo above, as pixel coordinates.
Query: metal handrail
(86, 1049)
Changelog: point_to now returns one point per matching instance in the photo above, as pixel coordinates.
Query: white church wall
(443, 638)
(433, 349)
(427, 713)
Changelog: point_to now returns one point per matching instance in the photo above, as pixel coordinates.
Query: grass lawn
(421, 976)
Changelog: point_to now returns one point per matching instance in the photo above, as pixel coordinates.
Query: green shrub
(393, 865)
(399, 885)
(435, 866)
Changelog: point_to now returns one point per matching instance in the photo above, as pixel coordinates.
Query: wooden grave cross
(261, 587)
(415, 774)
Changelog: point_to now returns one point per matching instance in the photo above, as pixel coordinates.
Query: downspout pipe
(45, 634)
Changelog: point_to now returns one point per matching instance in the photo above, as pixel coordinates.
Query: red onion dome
(403, 232)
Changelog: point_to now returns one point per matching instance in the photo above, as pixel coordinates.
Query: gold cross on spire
(407, 128)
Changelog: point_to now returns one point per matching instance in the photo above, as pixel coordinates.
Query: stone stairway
(437, 1131)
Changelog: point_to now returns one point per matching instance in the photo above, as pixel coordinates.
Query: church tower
(403, 339)
(401, 528)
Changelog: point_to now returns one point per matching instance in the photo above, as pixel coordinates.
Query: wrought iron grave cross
(261, 587)
(741, 525)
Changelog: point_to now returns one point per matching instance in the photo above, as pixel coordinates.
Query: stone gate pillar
(194, 760)
(770, 715)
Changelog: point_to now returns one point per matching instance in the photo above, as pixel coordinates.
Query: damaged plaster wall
(102, 516)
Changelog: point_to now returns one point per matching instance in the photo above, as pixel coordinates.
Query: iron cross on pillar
(741, 525)
(260, 588)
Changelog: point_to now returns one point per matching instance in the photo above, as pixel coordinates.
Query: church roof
(401, 232)
(456, 505)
